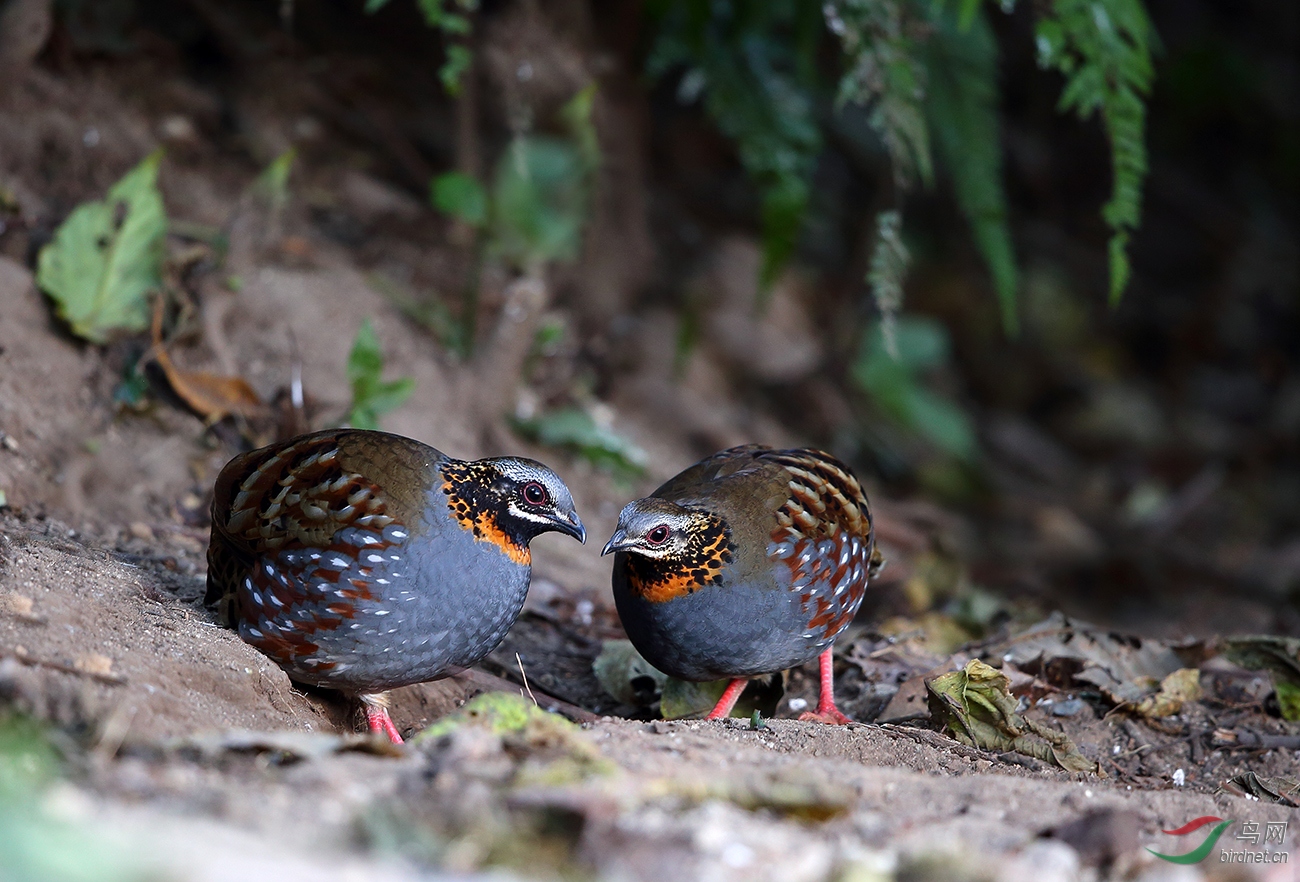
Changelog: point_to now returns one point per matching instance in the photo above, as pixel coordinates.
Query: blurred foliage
(35, 844)
(924, 73)
(536, 206)
(427, 311)
(1103, 47)
(107, 256)
(1280, 656)
(754, 64)
(460, 196)
(371, 395)
(961, 61)
(626, 675)
(888, 271)
(450, 18)
(272, 185)
(576, 430)
(896, 383)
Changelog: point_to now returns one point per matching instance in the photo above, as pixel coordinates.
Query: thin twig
(523, 674)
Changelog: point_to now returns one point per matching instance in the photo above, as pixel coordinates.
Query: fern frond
(1103, 48)
(885, 72)
(961, 68)
(748, 58)
(889, 262)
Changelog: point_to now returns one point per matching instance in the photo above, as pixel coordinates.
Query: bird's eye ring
(535, 494)
(657, 536)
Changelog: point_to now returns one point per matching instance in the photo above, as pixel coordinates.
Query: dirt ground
(194, 758)
(206, 751)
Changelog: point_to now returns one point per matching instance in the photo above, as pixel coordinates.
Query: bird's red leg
(827, 712)
(377, 718)
(728, 699)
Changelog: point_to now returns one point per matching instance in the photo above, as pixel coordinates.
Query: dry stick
(495, 372)
(524, 674)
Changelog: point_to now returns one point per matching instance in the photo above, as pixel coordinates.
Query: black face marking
(684, 571)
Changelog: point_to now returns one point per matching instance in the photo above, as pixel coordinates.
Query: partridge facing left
(363, 561)
(749, 562)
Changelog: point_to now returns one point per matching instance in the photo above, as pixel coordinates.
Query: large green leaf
(461, 196)
(897, 388)
(107, 257)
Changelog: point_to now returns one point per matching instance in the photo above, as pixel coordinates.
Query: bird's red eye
(657, 536)
(535, 494)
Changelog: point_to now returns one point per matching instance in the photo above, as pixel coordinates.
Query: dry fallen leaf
(211, 395)
(1180, 687)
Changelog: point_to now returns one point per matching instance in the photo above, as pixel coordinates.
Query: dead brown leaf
(212, 396)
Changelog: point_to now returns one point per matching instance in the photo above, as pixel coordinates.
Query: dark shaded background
(1166, 429)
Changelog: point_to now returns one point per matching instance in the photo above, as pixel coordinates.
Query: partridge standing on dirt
(749, 562)
(363, 561)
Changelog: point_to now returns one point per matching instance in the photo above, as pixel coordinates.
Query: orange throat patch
(700, 565)
(474, 514)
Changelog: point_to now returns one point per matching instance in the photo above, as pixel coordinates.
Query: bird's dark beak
(617, 542)
(572, 526)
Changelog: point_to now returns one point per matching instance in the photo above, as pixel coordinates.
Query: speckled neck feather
(707, 552)
(475, 501)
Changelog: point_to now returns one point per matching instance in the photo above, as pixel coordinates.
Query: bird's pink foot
(728, 700)
(831, 717)
(826, 711)
(378, 720)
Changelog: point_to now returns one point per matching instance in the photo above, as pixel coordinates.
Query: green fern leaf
(889, 262)
(1103, 48)
(885, 73)
(961, 69)
(750, 60)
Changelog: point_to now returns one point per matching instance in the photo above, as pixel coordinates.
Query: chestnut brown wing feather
(301, 492)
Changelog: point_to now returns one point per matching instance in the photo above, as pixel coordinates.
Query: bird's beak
(617, 542)
(572, 526)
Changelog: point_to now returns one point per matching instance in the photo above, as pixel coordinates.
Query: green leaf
(940, 420)
(371, 396)
(539, 202)
(576, 114)
(1280, 656)
(961, 69)
(461, 196)
(894, 384)
(574, 429)
(107, 256)
(459, 59)
(273, 183)
(682, 699)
